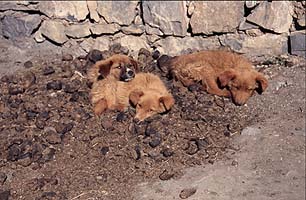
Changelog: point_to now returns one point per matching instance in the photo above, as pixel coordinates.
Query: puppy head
(242, 84)
(149, 103)
(121, 67)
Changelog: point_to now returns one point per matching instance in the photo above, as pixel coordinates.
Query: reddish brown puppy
(222, 73)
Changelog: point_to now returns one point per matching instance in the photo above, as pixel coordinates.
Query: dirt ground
(53, 147)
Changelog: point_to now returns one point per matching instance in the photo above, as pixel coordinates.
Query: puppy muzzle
(127, 75)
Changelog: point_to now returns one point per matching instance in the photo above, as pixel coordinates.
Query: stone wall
(172, 27)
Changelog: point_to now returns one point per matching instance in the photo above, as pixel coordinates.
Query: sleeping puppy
(121, 67)
(146, 92)
(222, 73)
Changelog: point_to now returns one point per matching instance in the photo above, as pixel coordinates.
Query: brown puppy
(146, 92)
(121, 67)
(220, 72)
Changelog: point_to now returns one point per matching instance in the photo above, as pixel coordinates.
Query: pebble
(104, 150)
(94, 55)
(155, 142)
(201, 143)
(186, 193)
(48, 154)
(53, 137)
(13, 152)
(155, 54)
(54, 85)
(167, 152)
(4, 195)
(28, 64)
(150, 131)
(121, 117)
(15, 90)
(67, 57)
(63, 128)
(192, 148)
(48, 70)
(166, 175)
(137, 152)
(3, 177)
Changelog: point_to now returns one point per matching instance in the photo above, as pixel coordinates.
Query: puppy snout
(239, 102)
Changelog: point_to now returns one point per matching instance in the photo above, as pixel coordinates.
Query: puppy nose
(136, 120)
(130, 73)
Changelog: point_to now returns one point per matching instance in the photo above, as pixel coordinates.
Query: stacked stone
(253, 27)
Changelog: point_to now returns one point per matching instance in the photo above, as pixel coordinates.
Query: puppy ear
(166, 102)
(135, 96)
(225, 77)
(135, 64)
(104, 67)
(262, 83)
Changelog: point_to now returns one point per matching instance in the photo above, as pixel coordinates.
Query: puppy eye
(119, 67)
(139, 105)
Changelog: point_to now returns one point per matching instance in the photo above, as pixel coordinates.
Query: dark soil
(53, 147)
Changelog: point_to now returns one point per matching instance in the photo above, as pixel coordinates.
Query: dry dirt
(53, 147)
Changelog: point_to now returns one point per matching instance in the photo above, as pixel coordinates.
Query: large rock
(101, 43)
(168, 16)
(78, 30)
(19, 26)
(100, 29)
(14, 5)
(275, 16)
(175, 46)
(93, 13)
(297, 44)
(216, 16)
(299, 12)
(54, 31)
(121, 12)
(133, 43)
(69, 10)
(267, 44)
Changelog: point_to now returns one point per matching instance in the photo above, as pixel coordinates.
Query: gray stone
(210, 17)
(244, 25)
(173, 46)
(133, 30)
(233, 41)
(297, 44)
(74, 48)
(54, 31)
(169, 16)
(121, 12)
(78, 30)
(93, 13)
(133, 43)
(274, 16)
(69, 10)
(100, 43)
(153, 31)
(100, 29)
(19, 26)
(14, 5)
(267, 44)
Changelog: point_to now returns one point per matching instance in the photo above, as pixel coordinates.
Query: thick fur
(222, 73)
(121, 67)
(146, 92)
